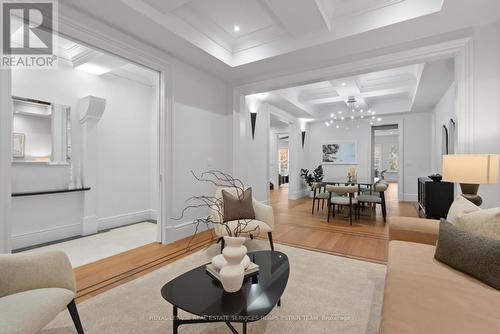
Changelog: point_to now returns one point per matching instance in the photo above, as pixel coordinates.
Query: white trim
(124, 219)
(45, 235)
(460, 49)
(182, 230)
(5, 160)
(298, 194)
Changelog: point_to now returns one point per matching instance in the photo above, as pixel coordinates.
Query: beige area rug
(325, 294)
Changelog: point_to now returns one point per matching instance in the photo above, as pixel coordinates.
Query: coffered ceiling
(399, 90)
(238, 32)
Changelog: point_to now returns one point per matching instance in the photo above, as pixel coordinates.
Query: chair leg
(73, 311)
(270, 236)
(317, 207)
(222, 244)
(251, 236)
(323, 204)
(329, 210)
(312, 211)
(384, 208)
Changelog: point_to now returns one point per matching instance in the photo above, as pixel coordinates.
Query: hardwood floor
(365, 239)
(294, 225)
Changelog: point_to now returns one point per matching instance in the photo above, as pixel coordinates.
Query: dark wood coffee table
(198, 293)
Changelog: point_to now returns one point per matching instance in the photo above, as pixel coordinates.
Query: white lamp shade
(471, 168)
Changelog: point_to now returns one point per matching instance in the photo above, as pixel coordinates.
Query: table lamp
(471, 170)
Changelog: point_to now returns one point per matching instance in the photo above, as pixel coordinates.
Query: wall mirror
(41, 132)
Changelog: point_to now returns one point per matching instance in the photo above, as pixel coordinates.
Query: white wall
(126, 147)
(444, 110)
(320, 134)
(202, 140)
(415, 156)
(487, 109)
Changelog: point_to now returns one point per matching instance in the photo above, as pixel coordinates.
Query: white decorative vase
(233, 272)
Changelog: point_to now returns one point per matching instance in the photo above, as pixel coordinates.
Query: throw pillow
(460, 207)
(483, 222)
(469, 253)
(236, 208)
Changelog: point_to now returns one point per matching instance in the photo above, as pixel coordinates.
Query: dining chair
(319, 195)
(346, 198)
(378, 197)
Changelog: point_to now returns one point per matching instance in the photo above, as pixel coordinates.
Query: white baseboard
(410, 197)
(182, 230)
(125, 219)
(46, 235)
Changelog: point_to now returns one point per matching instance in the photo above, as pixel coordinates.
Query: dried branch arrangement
(216, 205)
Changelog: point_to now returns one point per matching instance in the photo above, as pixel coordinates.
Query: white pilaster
(90, 109)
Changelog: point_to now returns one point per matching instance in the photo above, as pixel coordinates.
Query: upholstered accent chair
(263, 222)
(319, 195)
(342, 196)
(34, 288)
(377, 197)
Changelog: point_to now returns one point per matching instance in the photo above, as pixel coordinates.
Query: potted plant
(234, 260)
(316, 176)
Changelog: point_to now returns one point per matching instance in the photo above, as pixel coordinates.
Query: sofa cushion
(253, 226)
(423, 295)
(470, 253)
(29, 311)
(239, 206)
(482, 222)
(461, 206)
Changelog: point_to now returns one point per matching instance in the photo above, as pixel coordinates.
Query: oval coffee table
(198, 293)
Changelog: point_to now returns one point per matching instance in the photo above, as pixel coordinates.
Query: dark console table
(435, 198)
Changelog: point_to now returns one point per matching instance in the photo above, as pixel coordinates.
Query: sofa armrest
(423, 231)
(35, 270)
(264, 213)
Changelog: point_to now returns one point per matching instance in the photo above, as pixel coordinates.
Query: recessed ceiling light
(371, 123)
(353, 110)
(331, 121)
(331, 115)
(342, 118)
(343, 84)
(361, 110)
(379, 119)
(337, 126)
(327, 124)
(373, 117)
(340, 112)
(352, 117)
(362, 116)
(236, 28)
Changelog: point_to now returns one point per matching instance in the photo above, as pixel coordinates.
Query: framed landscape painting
(340, 153)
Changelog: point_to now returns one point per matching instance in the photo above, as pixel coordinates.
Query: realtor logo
(28, 38)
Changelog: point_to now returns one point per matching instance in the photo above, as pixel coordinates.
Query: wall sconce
(303, 138)
(253, 120)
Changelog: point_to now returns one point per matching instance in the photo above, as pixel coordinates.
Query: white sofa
(34, 288)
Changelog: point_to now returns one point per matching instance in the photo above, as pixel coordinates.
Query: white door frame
(89, 31)
(460, 49)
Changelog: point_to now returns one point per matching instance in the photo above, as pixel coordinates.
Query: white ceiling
(78, 55)
(414, 88)
(268, 28)
(203, 40)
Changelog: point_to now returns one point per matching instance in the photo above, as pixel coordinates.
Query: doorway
(386, 155)
(95, 190)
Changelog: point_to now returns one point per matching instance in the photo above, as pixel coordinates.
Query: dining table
(359, 181)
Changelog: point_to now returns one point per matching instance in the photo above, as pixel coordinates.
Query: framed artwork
(18, 144)
(340, 153)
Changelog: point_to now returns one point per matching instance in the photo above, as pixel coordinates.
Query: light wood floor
(366, 239)
(294, 225)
